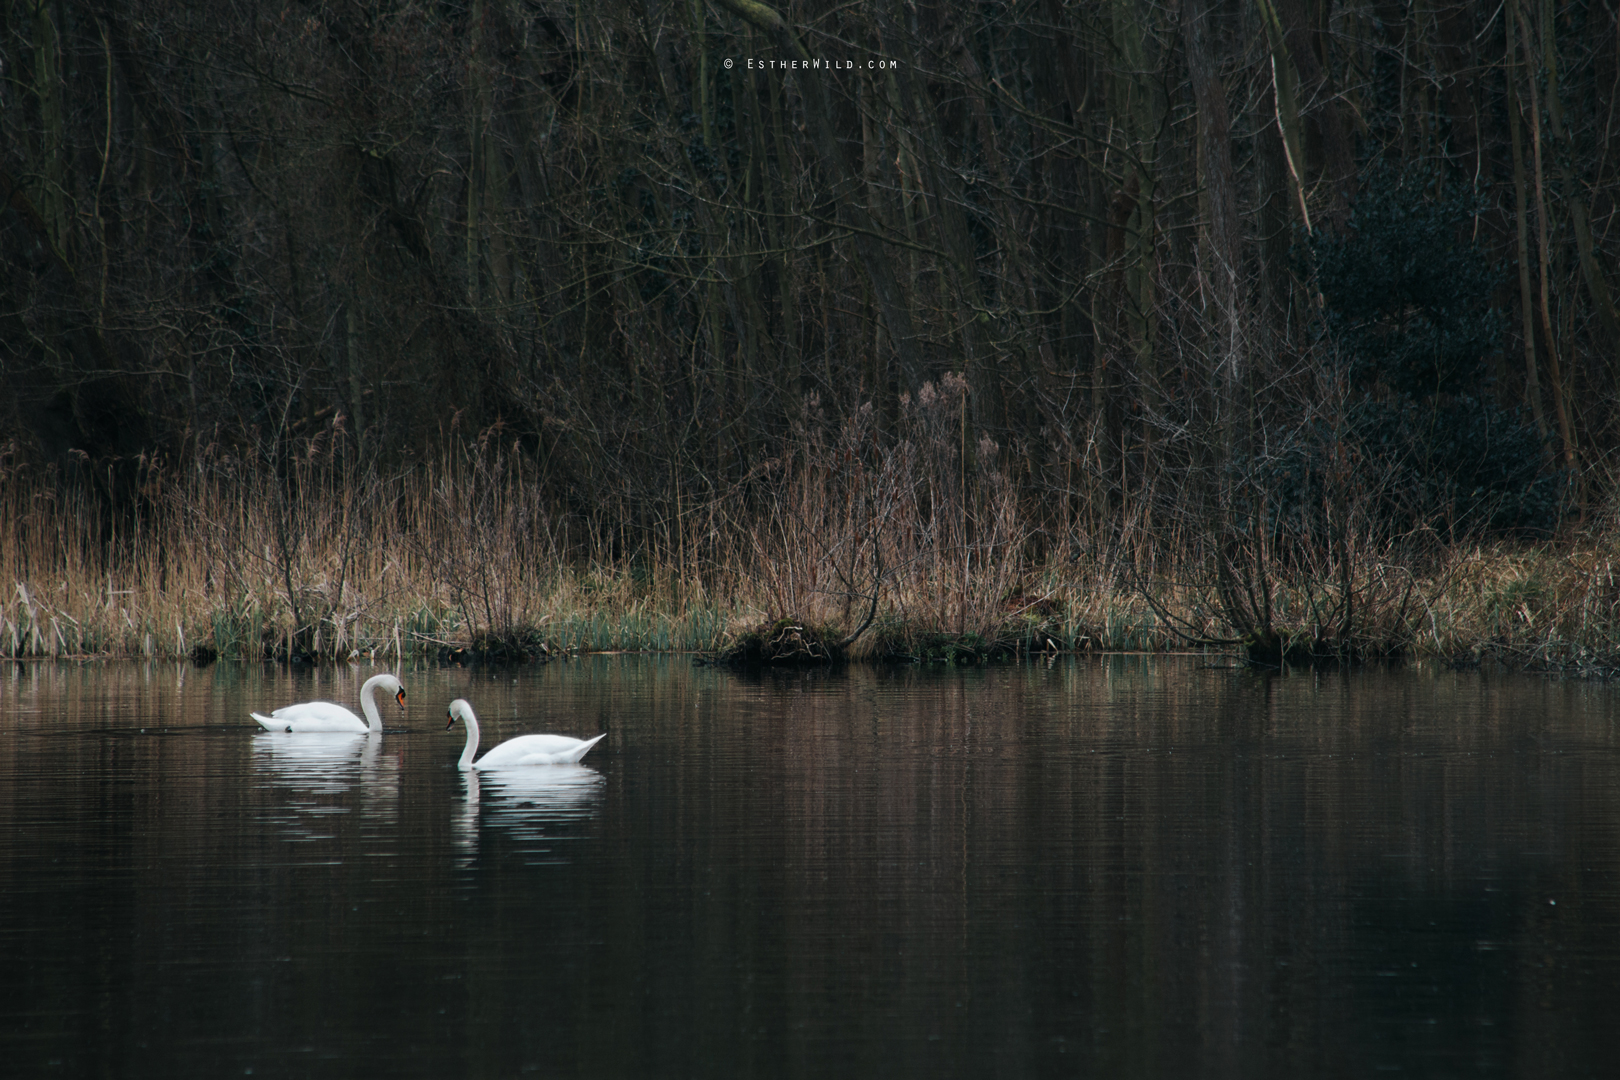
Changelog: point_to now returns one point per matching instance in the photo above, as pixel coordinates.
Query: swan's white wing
(536, 750)
(314, 710)
(312, 716)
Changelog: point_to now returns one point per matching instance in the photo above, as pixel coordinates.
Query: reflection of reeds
(316, 555)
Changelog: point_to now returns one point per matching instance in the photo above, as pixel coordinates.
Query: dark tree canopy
(640, 237)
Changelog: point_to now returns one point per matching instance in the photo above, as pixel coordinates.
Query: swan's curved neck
(471, 721)
(368, 704)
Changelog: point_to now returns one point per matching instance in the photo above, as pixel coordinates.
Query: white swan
(325, 716)
(513, 753)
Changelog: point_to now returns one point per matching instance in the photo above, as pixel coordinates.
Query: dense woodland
(1272, 281)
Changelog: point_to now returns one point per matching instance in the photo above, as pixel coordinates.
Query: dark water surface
(1114, 867)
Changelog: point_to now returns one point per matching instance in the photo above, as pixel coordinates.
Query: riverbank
(1536, 608)
(466, 560)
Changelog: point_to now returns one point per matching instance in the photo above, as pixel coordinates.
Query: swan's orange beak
(400, 697)
(452, 722)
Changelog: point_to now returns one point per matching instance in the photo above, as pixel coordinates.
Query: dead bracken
(784, 642)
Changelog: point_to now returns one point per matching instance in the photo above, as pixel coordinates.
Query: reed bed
(923, 542)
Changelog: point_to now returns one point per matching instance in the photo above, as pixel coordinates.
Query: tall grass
(925, 537)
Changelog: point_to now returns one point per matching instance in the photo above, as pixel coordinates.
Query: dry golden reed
(923, 540)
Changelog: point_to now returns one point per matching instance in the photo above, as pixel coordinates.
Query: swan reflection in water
(323, 763)
(536, 806)
(311, 768)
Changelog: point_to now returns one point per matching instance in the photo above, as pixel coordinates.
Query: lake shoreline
(466, 562)
(1515, 611)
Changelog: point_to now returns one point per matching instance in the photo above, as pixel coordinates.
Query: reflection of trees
(1160, 863)
(1150, 865)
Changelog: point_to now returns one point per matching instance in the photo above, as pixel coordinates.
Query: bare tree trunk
(843, 184)
(1597, 284)
(1320, 104)
(1532, 381)
(1554, 368)
(1220, 253)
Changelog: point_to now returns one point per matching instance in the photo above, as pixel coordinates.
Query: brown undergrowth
(848, 547)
